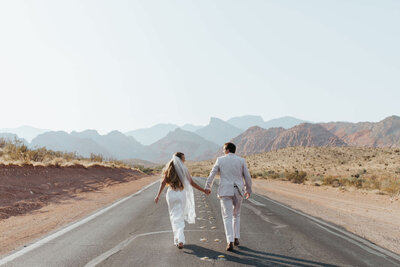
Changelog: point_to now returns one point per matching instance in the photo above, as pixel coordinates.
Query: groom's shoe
(229, 247)
(236, 243)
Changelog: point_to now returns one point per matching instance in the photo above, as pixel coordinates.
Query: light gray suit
(234, 182)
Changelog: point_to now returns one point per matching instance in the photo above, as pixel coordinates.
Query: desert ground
(365, 213)
(356, 188)
(37, 200)
(364, 168)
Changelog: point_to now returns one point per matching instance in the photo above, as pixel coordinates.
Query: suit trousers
(230, 209)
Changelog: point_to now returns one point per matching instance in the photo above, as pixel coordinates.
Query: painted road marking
(263, 217)
(125, 243)
(65, 230)
(362, 243)
(256, 202)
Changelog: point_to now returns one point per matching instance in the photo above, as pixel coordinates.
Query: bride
(180, 197)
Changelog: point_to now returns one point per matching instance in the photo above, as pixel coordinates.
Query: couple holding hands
(234, 185)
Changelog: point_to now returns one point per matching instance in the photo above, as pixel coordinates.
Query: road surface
(137, 232)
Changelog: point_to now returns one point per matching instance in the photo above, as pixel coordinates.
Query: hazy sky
(123, 65)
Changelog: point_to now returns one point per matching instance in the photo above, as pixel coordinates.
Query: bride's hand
(156, 199)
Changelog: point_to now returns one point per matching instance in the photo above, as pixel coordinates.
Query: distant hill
(140, 162)
(116, 143)
(12, 137)
(257, 140)
(194, 146)
(307, 135)
(147, 136)
(385, 133)
(62, 141)
(245, 122)
(25, 132)
(218, 131)
(284, 122)
(191, 127)
(206, 141)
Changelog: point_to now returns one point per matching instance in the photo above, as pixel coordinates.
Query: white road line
(99, 259)
(256, 202)
(263, 217)
(119, 247)
(68, 228)
(363, 243)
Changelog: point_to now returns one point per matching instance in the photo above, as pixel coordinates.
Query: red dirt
(27, 188)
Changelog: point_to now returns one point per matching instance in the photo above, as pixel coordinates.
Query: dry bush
(391, 186)
(296, 176)
(15, 152)
(359, 167)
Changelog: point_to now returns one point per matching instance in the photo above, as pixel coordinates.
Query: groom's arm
(211, 177)
(247, 178)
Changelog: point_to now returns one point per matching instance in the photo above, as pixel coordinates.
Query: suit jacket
(233, 171)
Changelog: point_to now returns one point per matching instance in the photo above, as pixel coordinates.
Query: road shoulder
(371, 216)
(20, 230)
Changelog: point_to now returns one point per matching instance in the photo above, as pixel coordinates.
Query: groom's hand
(246, 195)
(207, 191)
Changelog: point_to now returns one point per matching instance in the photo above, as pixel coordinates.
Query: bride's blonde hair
(171, 176)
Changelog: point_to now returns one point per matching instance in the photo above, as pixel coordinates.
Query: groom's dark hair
(231, 147)
(179, 154)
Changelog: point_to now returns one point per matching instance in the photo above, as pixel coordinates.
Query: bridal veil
(184, 176)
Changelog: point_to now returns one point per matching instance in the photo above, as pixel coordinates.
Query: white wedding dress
(181, 203)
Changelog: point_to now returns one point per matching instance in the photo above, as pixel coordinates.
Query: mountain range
(385, 133)
(24, 132)
(248, 121)
(158, 143)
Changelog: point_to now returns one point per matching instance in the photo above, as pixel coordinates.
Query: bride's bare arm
(193, 183)
(162, 186)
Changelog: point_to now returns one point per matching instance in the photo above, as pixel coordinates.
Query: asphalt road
(136, 232)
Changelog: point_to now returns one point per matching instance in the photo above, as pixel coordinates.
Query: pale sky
(123, 65)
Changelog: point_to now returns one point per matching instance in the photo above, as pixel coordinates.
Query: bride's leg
(176, 216)
(171, 209)
(180, 218)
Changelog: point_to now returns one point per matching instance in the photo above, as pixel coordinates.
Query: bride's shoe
(180, 245)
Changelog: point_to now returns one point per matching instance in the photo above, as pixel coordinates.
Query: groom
(235, 183)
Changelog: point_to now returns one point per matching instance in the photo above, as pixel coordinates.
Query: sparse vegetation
(297, 177)
(149, 170)
(17, 153)
(358, 167)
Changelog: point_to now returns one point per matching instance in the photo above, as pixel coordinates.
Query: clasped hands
(207, 191)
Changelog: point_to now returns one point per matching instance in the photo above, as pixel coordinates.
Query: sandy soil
(60, 196)
(367, 214)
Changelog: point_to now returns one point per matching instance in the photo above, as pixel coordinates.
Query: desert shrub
(296, 176)
(144, 169)
(39, 155)
(272, 174)
(373, 183)
(96, 158)
(391, 186)
(316, 178)
(331, 180)
(3, 142)
(17, 151)
(352, 181)
(258, 174)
